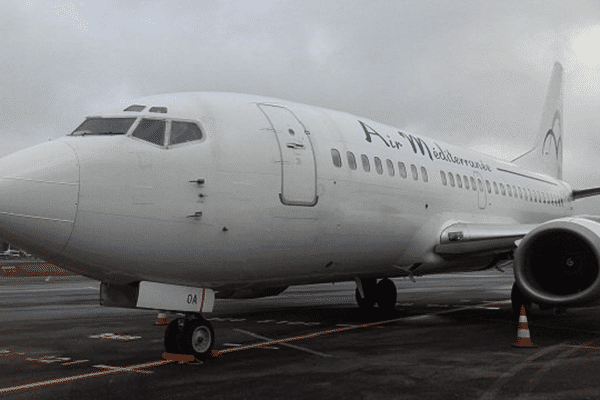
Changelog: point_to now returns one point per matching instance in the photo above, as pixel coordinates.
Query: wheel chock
(186, 358)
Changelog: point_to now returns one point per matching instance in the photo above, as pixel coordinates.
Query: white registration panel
(161, 296)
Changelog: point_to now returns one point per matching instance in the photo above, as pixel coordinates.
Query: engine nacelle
(558, 262)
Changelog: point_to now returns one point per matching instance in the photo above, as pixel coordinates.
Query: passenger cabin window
(378, 166)
(390, 167)
(151, 130)
(473, 184)
(502, 189)
(182, 132)
(103, 126)
(444, 179)
(424, 175)
(509, 190)
(415, 173)
(451, 179)
(480, 185)
(466, 181)
(495, 188)
(351, 160)
(365, 162)
(337, 159)
(489, 187)
(458, 181)
(402, 169)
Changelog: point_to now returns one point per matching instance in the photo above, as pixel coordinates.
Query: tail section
(547, 154)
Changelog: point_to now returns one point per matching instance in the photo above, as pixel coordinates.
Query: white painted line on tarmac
(122, 369)
(114, 336)
(292, 346)
(75, 362)
(487, 305)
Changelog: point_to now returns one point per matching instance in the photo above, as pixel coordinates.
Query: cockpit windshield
(103, 126)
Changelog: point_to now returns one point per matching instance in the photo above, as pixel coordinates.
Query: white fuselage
(259, 200)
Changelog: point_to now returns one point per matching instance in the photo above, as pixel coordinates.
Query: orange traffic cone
(161, 319)
(523, 337)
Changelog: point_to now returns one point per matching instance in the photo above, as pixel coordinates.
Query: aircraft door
(481, 193)
(298, 168)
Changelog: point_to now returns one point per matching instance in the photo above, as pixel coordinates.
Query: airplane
(180, 199)
(10, 253)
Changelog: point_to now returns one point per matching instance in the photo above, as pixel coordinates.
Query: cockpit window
(104, 126)
(182, 132)
(135, 107)
(161, 110)
(151, 130)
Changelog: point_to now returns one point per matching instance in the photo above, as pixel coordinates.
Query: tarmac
(449, 337)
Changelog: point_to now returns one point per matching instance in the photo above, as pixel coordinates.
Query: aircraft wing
(583, 193)
(468, 238)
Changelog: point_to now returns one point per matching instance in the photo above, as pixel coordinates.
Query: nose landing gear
(190, 335)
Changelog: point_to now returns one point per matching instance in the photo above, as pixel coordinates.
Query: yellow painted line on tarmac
(67, 379)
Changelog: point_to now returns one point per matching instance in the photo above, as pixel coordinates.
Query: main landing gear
(517, 300)
(190, 335)
(383, 293)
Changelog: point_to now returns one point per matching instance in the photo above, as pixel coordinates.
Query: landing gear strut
(369, 288)
(518, 299)
(190, 335)
(383, 293)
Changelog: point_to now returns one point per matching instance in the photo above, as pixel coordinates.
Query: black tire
(369, 288)
(386, 294)
(198, 338)
(172, 338)
(517, 300)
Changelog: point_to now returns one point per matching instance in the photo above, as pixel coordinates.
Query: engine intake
(558, 263)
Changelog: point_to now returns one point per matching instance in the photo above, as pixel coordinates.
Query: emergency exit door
(298, 168)
(481, 195)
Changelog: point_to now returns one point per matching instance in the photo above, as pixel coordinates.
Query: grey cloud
(468, 72)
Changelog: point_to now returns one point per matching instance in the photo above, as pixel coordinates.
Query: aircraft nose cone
(38, 197)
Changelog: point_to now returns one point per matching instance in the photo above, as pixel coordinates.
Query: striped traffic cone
(161, 319)
(523, 337)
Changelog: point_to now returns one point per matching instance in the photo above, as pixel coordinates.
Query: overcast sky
(474, 73)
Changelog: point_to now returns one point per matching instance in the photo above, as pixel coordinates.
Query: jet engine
(558, 262)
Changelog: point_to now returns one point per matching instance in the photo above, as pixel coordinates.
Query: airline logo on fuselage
(420, 147)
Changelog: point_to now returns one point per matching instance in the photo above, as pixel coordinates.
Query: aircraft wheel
(517, 300)
(369, 288)
(172, 337)
(386, 294)
(198, 338)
